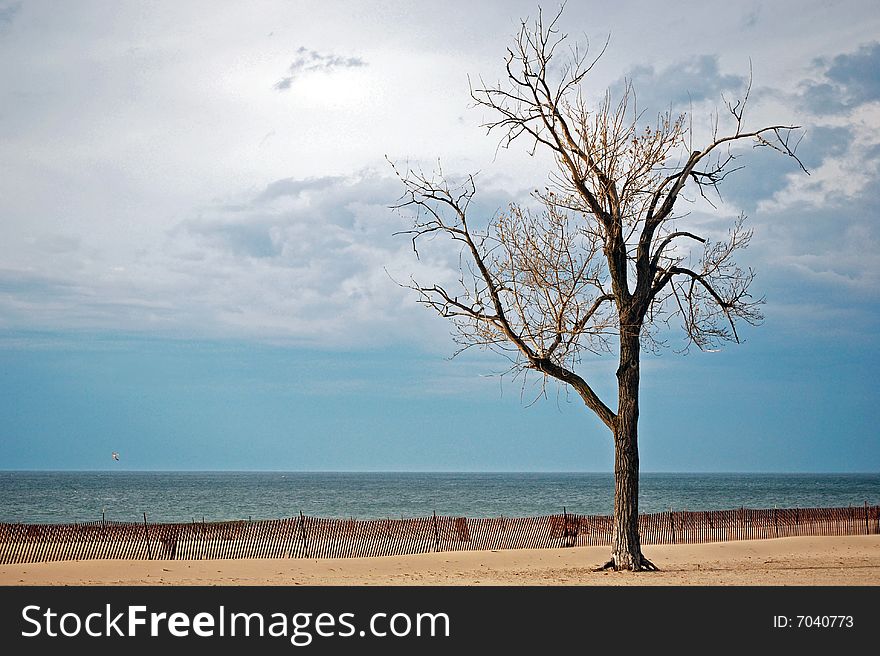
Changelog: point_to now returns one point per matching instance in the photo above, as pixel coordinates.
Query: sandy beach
(847, 560)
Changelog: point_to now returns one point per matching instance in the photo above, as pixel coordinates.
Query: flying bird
(115, 455)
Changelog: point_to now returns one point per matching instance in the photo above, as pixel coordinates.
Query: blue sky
(197, 250)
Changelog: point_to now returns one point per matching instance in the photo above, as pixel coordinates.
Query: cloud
(679, 85)
(839, 107)
(309, 260)
(310, 61)
(823, 257)
(8, 12)
(849, 163)
(845, 81)
(751, 18)
(45, 301)
(816, 236)
(765, 173)
(305, 260)
(239, 238)
(295, 187)
(317, 260)
(20, 283)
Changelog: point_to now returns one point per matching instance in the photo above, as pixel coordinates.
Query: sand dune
(846, 560)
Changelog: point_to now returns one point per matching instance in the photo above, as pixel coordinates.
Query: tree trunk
(626, 551)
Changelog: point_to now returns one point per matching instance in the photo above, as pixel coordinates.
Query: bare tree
(604, 262)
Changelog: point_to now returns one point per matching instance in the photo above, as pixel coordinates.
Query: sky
(199, 267)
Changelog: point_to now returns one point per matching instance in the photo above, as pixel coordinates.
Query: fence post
(77, 549)
(564, 526)
(302, 528)
(672, 524)
(436, 534)
(775, 521)
(866, 517)
(147, 536)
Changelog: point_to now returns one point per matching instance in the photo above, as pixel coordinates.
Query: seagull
(115, 455)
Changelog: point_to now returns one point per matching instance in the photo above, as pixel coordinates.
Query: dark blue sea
(47, 497)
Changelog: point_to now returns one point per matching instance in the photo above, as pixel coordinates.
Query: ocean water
(47, 497)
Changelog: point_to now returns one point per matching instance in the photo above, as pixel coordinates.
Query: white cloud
(140, 148)
(839, 177)
(310, 61)
(311, 261)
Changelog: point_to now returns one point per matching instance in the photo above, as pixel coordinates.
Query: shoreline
(803, 560)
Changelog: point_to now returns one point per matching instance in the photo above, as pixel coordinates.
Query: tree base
(636, 563)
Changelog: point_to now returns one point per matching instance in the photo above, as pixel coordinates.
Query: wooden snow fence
(316, 537)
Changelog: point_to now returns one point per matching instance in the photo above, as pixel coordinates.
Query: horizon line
(419, 471)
